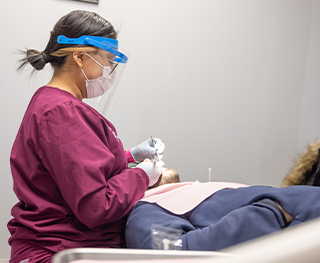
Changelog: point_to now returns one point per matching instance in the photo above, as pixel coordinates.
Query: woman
(69, 168)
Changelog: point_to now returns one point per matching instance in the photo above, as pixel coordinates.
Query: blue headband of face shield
(108, 44)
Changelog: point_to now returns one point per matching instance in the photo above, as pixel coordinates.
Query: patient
(215, 215)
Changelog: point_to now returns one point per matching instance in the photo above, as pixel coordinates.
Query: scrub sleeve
(95, 185)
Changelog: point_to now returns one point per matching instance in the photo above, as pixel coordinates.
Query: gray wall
(230, 85)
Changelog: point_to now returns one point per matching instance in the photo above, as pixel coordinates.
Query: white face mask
(97, 87)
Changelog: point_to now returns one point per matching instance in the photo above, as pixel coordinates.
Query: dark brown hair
(73, 25)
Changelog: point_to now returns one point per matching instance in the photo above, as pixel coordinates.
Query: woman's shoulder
(55, 106)
(47, 95)
(50, 102)
(47, 98)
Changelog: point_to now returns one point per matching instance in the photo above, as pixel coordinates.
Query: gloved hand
(147, 149)
(153, 170)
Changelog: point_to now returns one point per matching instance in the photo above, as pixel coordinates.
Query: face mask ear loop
(94, 59)
(84, 74)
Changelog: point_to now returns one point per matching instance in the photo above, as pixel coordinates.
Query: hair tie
(45, 57)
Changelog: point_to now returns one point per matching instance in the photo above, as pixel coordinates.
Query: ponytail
(36, 59)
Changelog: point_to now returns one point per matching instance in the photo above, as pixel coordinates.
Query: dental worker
(69, 168)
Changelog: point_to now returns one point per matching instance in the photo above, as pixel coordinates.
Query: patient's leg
(239, 225)
(232, 216)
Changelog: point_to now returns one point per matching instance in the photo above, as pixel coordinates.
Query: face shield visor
(109, 60)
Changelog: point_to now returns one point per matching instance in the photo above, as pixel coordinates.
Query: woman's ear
(78, 58)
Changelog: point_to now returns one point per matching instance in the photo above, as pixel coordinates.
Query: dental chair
(105, 255)
(298, 244)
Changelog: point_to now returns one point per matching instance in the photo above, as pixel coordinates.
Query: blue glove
(153, 170)
(148, 149)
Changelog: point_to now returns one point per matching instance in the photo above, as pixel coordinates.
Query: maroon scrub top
(71, 176)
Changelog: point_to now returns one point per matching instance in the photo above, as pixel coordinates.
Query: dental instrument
(154, 145)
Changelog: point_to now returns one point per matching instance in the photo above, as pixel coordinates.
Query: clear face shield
(109, 60)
